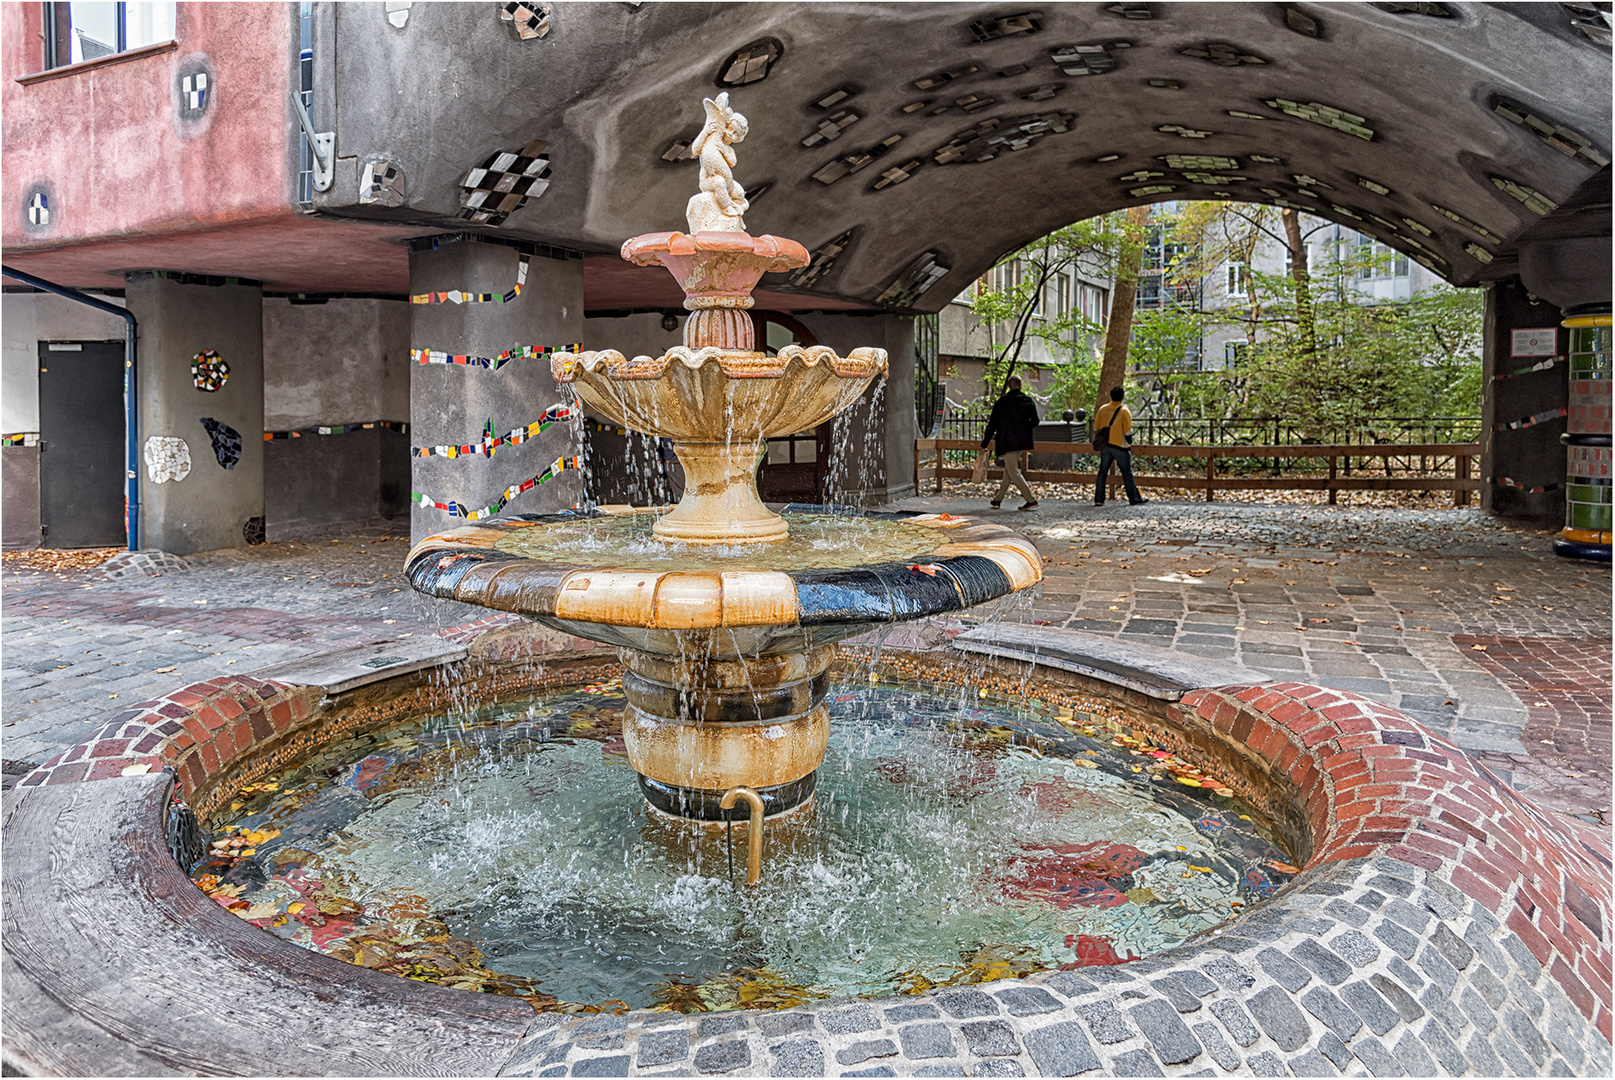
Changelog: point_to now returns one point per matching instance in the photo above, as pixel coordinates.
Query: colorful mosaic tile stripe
(1543, 366)
(1508, 482)
(1532, 421)
(558, 466)
(459, 297)
(492, 363)
(25, 438)
(337, 429)
(514, 437)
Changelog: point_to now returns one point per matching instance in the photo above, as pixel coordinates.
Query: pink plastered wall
(107, 141)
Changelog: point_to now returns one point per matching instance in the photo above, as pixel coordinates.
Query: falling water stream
(509, 849)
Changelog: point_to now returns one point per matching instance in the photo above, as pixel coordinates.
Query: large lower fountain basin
(507, 849)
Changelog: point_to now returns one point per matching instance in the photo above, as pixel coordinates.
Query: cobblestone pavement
(79, 647)
(1404, 606)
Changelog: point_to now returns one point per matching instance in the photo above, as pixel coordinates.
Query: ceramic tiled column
(451, 402)
(1588, 459)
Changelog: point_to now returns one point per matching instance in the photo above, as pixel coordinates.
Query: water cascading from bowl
(726, 661)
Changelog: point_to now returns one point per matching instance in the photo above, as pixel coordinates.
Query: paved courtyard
(1471, 626)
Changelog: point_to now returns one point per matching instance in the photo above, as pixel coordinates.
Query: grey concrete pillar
(873, 453)
(212, 506)
(1522, 468)
(448, 403)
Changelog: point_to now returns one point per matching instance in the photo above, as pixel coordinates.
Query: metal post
(131, 403)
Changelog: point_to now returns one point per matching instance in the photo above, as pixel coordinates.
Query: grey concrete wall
(210, 507)
(449, 404)
(342, 362)
(19, 498)
(26, 319)
(1531, 456)
(872, 452)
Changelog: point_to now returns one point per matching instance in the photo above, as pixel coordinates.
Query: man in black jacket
(1013, 426)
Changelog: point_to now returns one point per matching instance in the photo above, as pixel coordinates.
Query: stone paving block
(1284, 971)
(999, 1067)
(1369, 1004)
(859, 1052)
(1312, 1063)
(612, 1041)
(1489, 985)
(1229, 974)
(1414, 918)
(720, 1024)
(1236, 1020)
(1436, 967)
(1135, 1063)
(1105, 1022)
(939, 1070)
(722, 1057)
(1176, 993)
(1443, 1009)
(662, 1048)
(1515, 1061)
(1170, 1037)
(903, 1014)
(1525, 997)
(1069, 983)
(1329, 967)
(799, 1057)
(1565, 1042)
(927, 1041)
(850, 1021)
(1404, 974)
(965, 1004)
(1443, 1049)
(556, 1053)
(1413, 1056)
(1061, 1050)
(790, 1023)
(879, 1070)
(991, 1038)
(1280, 1018)
(1267, 1063)
(1373, 900)
(1525, 1033)
(1355, 948)
(1380, 1061)
(1482, 1056)
(1196, 983)
(1444, 906)
(1322, 1003)
(607, 1066)
(1396, 937)
(1476, 1008)
(1347, 913)
(1025, 1001)
(1330, 1046)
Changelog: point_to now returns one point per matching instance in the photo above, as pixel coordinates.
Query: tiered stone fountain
(726, 625)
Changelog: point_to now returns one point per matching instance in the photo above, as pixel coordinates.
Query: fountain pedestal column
(696, 728)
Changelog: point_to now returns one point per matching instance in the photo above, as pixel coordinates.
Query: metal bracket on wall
(324, 145)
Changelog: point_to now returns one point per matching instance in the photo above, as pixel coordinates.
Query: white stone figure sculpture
(167, 458)
(722, 202)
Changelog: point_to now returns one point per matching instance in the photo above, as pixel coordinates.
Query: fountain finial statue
(721, 205)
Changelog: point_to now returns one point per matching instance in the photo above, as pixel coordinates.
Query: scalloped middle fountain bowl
(719, 406)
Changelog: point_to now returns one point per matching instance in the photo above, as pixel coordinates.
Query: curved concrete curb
(1443, 925)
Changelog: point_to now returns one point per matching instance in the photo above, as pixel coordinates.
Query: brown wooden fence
(1460, 483)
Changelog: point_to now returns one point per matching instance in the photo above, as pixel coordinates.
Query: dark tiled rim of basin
(1442, 924)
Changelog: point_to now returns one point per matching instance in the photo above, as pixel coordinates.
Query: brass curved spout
(754, 835)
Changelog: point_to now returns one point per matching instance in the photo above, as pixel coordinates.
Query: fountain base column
(697, 728)
(720, 504)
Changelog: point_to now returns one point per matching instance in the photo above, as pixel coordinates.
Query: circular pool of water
(509, 850)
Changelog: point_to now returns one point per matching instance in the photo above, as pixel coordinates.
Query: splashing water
(509, 850)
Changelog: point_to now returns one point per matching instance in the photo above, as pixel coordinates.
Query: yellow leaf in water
(1141, 895)
(1200, 869)
(1186, 782)
(260, 911)
(295, 908)
(247, 851)
(1085, 764)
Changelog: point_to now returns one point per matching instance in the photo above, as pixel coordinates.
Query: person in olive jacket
(1012, 425)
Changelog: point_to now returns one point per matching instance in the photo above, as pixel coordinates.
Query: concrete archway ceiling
(1425, 87)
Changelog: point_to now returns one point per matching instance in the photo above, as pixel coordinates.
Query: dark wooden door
(81, 427)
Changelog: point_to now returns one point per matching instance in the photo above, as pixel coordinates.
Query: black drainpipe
(131, 404)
